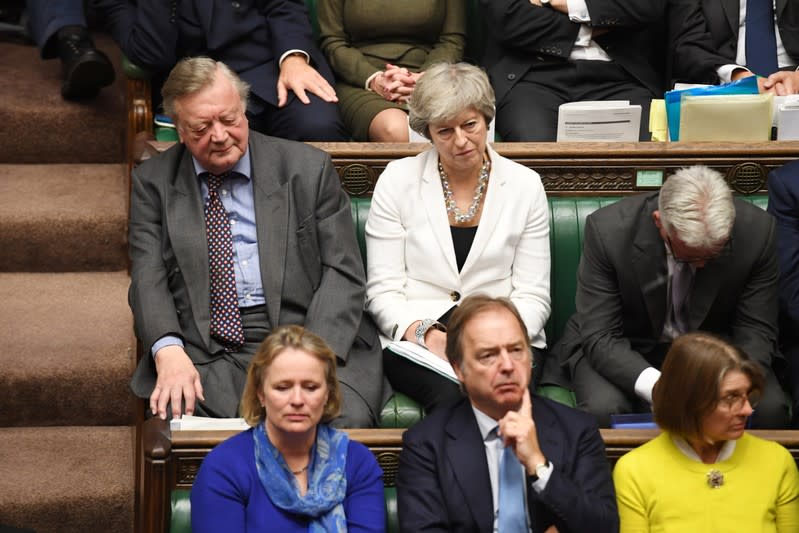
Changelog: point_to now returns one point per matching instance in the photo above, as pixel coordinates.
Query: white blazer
(411, 268)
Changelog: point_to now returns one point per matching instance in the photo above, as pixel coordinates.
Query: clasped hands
(395, 84)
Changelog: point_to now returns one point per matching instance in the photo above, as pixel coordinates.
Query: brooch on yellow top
(715, 479)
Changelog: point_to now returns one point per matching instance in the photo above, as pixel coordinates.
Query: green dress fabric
(360, 36)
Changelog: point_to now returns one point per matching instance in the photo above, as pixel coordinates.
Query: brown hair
(468, 309)
(279, 340)
(689, 385)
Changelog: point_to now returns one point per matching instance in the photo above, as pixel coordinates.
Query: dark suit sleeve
(151, 300)
(336, 309)
(580, 494)
(599, 305)
(783, 203)
(145, 30)
(754, 327)
(518, 25)
(693, 58)
(289, 26)
(420, 498)
(624, 13)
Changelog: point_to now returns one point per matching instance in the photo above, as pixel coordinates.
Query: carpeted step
(56, 218)
(67, 479)
(38, 126)
(68, 349)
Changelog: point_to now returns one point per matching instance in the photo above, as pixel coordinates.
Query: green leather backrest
(566, 224)
(180, 520)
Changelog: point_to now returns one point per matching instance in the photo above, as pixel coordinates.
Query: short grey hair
(696, 205)
(446, 90)
(192, 74)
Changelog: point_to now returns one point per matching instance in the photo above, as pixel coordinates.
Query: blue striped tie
(512, 516)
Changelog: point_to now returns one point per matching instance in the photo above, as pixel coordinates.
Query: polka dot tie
(225, 317)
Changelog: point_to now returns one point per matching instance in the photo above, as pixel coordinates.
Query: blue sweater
(228, 495)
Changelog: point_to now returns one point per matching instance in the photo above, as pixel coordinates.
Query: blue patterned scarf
(327, 479)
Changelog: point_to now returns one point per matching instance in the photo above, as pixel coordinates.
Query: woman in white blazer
(455, 220)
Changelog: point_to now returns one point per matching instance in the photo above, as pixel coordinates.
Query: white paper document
(787, 117)
(204, 423)
(589, 121)
(423, 357)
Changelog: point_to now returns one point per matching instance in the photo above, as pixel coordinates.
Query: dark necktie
(225, 317)
(681, 280)
(512, 517)
(760, 40)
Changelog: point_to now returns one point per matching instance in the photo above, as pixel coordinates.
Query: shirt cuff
(543, 478)
(166, 340)
(645, 382)
(578, 11)
(369, 80)
(296, 51)
(725, 72)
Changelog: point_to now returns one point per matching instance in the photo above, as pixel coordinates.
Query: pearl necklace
(452, 207)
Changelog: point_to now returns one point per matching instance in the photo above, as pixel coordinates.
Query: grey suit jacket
(722, 17)
(621, 292)
(311, 267)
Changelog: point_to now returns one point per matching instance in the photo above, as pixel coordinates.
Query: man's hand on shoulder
(517, 429)
(177, 380)
(297, 75)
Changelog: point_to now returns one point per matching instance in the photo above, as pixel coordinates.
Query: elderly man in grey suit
(657, 265)
(233, 233)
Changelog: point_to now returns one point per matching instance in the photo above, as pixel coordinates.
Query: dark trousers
(316, 121)
(46, 17)
(529, 110)
(224, 377)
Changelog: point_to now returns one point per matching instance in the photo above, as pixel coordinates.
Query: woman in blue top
(290, 472)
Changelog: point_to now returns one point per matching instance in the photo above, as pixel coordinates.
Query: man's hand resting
(178, 380)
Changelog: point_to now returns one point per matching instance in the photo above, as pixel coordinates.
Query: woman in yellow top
(704, 473)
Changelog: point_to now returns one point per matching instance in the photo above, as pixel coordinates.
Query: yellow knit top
(660, 489)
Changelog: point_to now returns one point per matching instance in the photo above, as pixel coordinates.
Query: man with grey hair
(233, 233)
(657, 265)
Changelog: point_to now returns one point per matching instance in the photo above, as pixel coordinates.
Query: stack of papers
(590, 121)
(421, 356)
(787, 117)
(204, 423)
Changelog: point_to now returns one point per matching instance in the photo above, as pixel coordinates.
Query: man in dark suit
(540, 55)
(657, 265)
(727, 24)
(783, 203)
(269, 43)
(288, 255)
(458, 466)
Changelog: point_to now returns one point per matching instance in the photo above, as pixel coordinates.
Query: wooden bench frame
(578, 169)
(172, 459)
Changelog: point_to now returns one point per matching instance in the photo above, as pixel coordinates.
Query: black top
(462, 239)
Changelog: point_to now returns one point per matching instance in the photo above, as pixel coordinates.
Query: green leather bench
(567, 220)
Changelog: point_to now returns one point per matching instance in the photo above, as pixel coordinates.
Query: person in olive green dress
(378, 49)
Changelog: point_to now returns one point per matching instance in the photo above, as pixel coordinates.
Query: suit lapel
(495, 201)
(649, 264)
(467, 458)
(731, 10)
(780, 7)
(433, 204)
(186, 226)
(271, 220)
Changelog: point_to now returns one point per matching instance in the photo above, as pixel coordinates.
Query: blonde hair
(280, 339)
